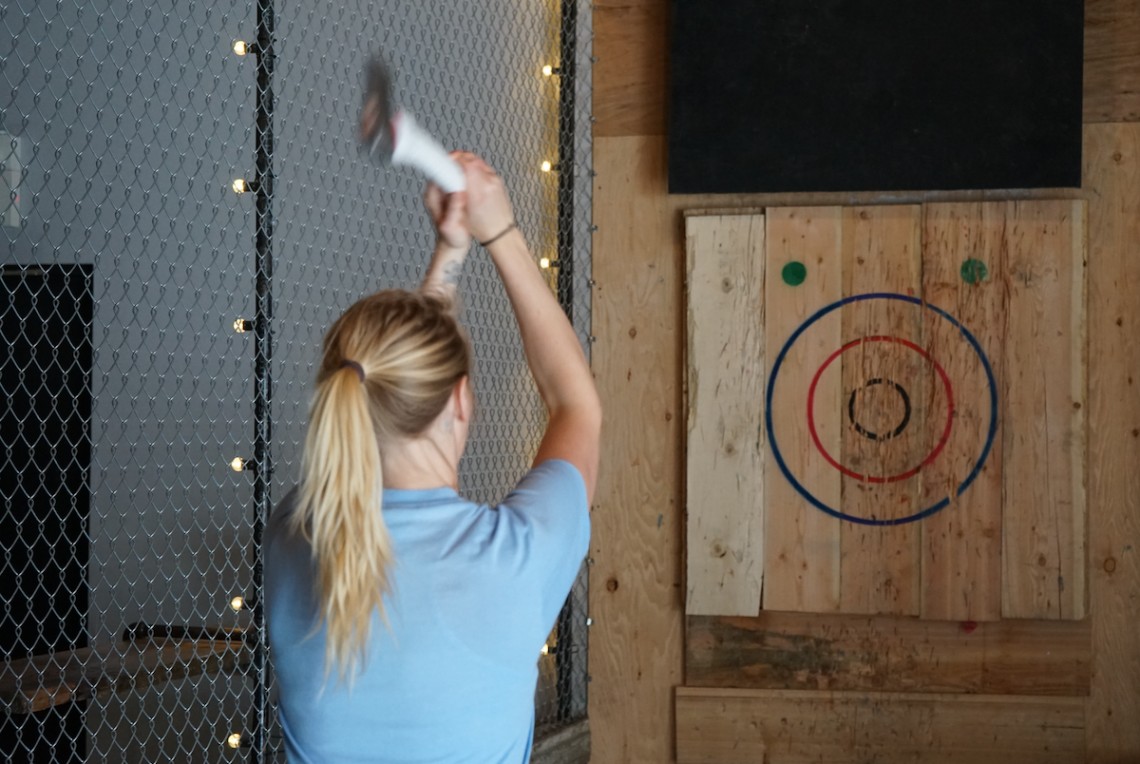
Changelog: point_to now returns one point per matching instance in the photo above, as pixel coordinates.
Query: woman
(405, 622)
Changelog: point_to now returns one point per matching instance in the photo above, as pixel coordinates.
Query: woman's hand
(449, 215)
(489, 212)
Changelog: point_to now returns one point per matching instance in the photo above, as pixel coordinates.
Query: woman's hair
(411, 352)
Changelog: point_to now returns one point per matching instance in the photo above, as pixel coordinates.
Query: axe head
(376, 131)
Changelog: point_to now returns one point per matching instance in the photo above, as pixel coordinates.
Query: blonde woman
(405, 622)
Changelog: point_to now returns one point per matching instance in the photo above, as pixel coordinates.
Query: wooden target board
(886, 410)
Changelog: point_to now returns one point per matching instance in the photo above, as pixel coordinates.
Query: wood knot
(718, 550)
(1109, 564)
(729, 449)
(1041, 561)
(1117, 157)
(632, 332)
(612, 585)
(726, 285)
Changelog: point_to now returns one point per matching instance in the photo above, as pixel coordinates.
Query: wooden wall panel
(1043, 402)
(801, 546)
(631, 48)
(793, 727)
(839, 652)
(1112, 61)
(725, 382)
(961, 556)
(635, 648)
(879, 566)
(1112, 172)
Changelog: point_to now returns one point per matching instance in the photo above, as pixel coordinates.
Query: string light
(240, 465)
(241, 186)
(547, 166)
(241, 47)
(234, 740)
(237, 603)
(550, 71)
(545, 263)
(242, 325)
(546, 649)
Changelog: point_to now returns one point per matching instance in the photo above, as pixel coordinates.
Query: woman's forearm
(552, 350)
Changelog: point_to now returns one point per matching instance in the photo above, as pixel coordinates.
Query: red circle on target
(888, 478)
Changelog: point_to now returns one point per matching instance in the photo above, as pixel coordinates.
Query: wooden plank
(635, 591)
(801, 543)
(630, 44)
(879, 564)
(1112, 61)
(725, 384)
(1043, 395)
(55, 679)
(961, 556)
(789, 726)
(841, 652)
(1112, 174)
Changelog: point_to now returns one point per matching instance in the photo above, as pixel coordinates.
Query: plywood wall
(877, 394)
(638, 640)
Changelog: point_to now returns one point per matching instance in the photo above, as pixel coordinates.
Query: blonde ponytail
(389, 366)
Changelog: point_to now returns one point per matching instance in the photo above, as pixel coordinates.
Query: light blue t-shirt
(476, 591)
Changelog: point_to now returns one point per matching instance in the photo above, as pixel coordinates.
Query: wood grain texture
(631, 46)
(879, 565)
(1043, 401)
(635, 596)
(1112, 173)
(801, 543)
(961, 545)
(1112, 61)
(788, 726)
(885, 653)
(725, 444)
(39, 683)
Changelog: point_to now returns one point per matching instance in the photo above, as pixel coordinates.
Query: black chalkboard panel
(848, 95)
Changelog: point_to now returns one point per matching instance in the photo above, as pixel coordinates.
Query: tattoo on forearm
(451, 272)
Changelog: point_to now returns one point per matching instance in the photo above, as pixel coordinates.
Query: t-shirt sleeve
(549, 506)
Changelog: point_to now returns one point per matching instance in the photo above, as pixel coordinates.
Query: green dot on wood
(794, 273)
(974, 271)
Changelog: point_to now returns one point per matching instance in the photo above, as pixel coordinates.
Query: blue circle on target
(775, 446)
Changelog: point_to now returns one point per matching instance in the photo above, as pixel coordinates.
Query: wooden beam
(1043, 398)
(797, 727)
(879, 566)
(961, 545)
(725, 384)
(1112, 173)
(44, 681)
(635, 584)
(801, 543)
(842, 652)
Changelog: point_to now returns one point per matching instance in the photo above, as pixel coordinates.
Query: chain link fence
(162, 331)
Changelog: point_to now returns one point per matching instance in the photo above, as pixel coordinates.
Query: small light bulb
(237, 603)
(243, 325)
(234, 740)
(546, 649)
(240, 186)
(544, 263)
(241, 47)
(547, 166)
(238, 464)
(547, 70)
